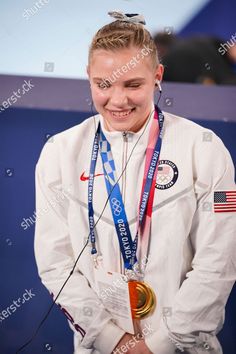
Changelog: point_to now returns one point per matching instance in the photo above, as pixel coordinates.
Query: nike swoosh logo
(85, 178)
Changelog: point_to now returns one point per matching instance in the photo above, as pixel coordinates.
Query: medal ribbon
(90, 192)
(127, 245)
(144, 228)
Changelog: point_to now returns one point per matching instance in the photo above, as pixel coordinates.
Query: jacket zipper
(123, 183)
(124, 161)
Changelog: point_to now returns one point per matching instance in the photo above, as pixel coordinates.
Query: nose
(118, 97)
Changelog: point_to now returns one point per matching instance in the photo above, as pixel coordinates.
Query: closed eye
(104, 84)
(134, 85)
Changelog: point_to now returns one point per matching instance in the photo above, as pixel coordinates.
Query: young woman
(149, 198)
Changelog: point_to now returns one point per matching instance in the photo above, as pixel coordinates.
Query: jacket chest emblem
(167, 174)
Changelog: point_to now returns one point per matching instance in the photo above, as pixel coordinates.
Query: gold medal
(142, 299)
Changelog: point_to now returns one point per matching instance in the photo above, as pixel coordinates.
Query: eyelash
(135, 85)
(104, 86)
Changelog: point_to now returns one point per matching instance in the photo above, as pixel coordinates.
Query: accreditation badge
(113, 291)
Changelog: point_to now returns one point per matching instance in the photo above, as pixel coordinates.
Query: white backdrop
(51, 37)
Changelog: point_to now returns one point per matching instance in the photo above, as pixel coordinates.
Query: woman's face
(122, 85)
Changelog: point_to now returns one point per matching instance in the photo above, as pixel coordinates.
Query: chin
(119, 126)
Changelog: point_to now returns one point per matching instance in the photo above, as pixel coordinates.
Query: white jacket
(192, 265)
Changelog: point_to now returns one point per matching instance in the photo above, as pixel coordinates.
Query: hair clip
(134, 18)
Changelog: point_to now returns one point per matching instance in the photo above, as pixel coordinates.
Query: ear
(159, 72)
(88, 71)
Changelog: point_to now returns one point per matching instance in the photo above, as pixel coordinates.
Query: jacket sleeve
(198, 310)
(92, 324)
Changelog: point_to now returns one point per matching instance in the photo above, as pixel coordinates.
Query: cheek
(140, 97)
(99, 97)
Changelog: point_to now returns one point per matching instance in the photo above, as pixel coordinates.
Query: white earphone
(158, 84)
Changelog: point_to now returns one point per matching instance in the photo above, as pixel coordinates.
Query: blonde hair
(121, 34)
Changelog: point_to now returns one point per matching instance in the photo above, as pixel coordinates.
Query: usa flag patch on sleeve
(224, 201)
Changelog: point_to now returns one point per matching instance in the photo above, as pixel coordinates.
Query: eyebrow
(126, 82)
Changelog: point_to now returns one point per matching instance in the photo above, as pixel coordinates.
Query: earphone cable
(87, 240)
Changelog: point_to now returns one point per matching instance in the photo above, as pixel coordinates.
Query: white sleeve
(55, 260)
(198, 308)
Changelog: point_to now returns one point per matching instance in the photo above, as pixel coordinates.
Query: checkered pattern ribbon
(109, 163)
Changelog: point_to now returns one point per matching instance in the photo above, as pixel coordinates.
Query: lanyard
(127, 245)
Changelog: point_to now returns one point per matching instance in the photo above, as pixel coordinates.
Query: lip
(113, 113)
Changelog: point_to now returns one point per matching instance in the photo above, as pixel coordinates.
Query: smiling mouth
(121, 114)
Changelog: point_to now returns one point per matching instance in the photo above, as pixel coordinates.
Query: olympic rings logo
(163, 179)
(116, 206)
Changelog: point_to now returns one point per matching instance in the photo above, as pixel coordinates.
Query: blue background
(22, 135)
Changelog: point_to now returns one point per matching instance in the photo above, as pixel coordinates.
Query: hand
(130, 344)
(123, 341)
(141, 348)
